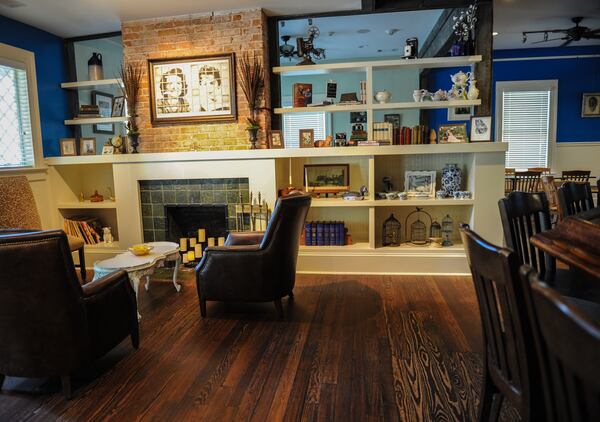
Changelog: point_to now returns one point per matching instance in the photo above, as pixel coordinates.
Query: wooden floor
(352, 348)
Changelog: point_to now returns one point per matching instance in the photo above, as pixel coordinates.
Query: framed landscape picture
(192, 89)
(453, 134)
(105, 107)
(481, 129)
(590, 105)
(420, 183)
(327, 178)
(459, 113)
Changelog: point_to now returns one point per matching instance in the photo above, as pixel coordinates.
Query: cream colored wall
(578, 156)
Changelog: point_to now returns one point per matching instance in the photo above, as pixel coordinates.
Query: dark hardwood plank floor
(363, 348)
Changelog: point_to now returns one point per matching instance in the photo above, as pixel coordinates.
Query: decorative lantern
(447, 230)
(435, 232)
(418, 229)
(391, 232)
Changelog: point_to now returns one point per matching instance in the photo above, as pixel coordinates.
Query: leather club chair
(253, 266)
(49, 324)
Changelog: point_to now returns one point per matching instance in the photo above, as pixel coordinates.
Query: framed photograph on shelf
(192, 89)
(457, 114)
(275, 139)
(306, 138)
(394, 119)
(105, 108)
(108, 150)
(453, 134)
(87, 146)
(420, 184)
(68, 147)
(326, 178)
(590, 105)
(481, 129)
(118, 107)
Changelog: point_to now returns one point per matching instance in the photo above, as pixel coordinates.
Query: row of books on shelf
(86, 228)
(324, 233)
(416, 135)
(88, 111)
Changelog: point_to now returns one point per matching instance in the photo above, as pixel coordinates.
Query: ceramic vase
(473, 92)
(253, 137)
(451, 179)
(134, 142)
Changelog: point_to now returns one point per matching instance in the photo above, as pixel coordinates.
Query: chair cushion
(75, 243)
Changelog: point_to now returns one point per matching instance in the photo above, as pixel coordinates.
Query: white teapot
(461, 78)
(382, 96)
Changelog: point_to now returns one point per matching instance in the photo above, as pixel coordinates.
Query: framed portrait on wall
(104, 102)
(192, 89)
(590, 105)
(481, 129)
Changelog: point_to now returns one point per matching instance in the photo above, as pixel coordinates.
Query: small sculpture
(107, 235)
(96, 197)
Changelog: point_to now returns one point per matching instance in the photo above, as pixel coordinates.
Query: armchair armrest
(244, 238)
(100, 285)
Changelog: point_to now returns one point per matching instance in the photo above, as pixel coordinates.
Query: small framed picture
(453, 134)
(307, 138)
(590, 105)
(456, 114)
(326, 178)
(108, 150)
(68, 147)
(118, 107)
(420, 184)
(87, 146)
(275, 139)
(104, 102)
(358, 117)
(394, 119)
(481, 129)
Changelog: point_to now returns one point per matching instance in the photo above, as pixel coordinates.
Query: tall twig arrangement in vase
(131, 75)
(252, 80)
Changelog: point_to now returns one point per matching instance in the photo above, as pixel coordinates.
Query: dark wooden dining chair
(527, 181)
(523, 215)
(568, 350)
(576, 176)
(598, 193)
(509, 180)
(575, 197)
(549, 188)
(510, 369)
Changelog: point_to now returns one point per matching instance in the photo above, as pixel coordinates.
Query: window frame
(532, 85)
(18, 57)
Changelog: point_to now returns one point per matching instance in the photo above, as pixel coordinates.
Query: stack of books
(86, 228)
(413, 136)
(383, 133)
(87, 111)
(324, 233)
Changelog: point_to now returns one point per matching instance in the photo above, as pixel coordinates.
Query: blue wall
(575, 76)
(51, 71)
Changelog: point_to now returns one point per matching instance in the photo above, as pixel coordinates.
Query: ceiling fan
(575, 33)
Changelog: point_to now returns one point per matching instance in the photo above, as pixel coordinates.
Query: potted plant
(131, 75)
(464, 29)
(252, 80)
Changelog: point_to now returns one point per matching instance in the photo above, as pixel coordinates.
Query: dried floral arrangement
(131, 75)
(464, 23)
(252, 79)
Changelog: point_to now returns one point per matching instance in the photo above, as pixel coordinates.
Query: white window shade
(527, 121)
(16, 141)
(293, 122)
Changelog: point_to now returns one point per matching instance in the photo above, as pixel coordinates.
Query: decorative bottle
(95, 67)
(451, 178)
(473, 92)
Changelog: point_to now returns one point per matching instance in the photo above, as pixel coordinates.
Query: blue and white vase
(451, 178)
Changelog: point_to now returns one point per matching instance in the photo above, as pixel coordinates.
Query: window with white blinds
(16, 140)
(527, 121)
(293, 122)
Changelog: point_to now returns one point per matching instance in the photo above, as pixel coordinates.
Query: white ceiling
(512, 17)
(341, 39)
(70, 18)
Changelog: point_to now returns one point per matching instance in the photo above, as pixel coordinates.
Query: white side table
(141, 266)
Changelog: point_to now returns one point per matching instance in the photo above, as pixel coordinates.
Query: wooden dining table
(574, 241)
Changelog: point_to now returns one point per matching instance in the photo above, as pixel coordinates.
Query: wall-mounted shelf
(337, 202)
(426, 63)
(425, 105)
(87, 205)
(83, 85)
(96, 120)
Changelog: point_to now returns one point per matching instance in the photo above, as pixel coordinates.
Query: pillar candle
(201, 235)
(185, 258)
(192, 242)
(191, 256)
(198, 250)
(183, 244)
(221, 241)
(211, 241)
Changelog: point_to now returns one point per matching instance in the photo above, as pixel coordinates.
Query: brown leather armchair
(49, 324)
(256, 267)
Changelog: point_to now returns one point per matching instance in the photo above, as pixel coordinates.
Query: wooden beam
(484, 46)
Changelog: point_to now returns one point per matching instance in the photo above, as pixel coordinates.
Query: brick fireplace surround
(243, 31)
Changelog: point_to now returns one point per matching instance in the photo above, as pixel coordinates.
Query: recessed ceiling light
(391, 31)
(361, 46)
(494, 34)
(363, 31)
